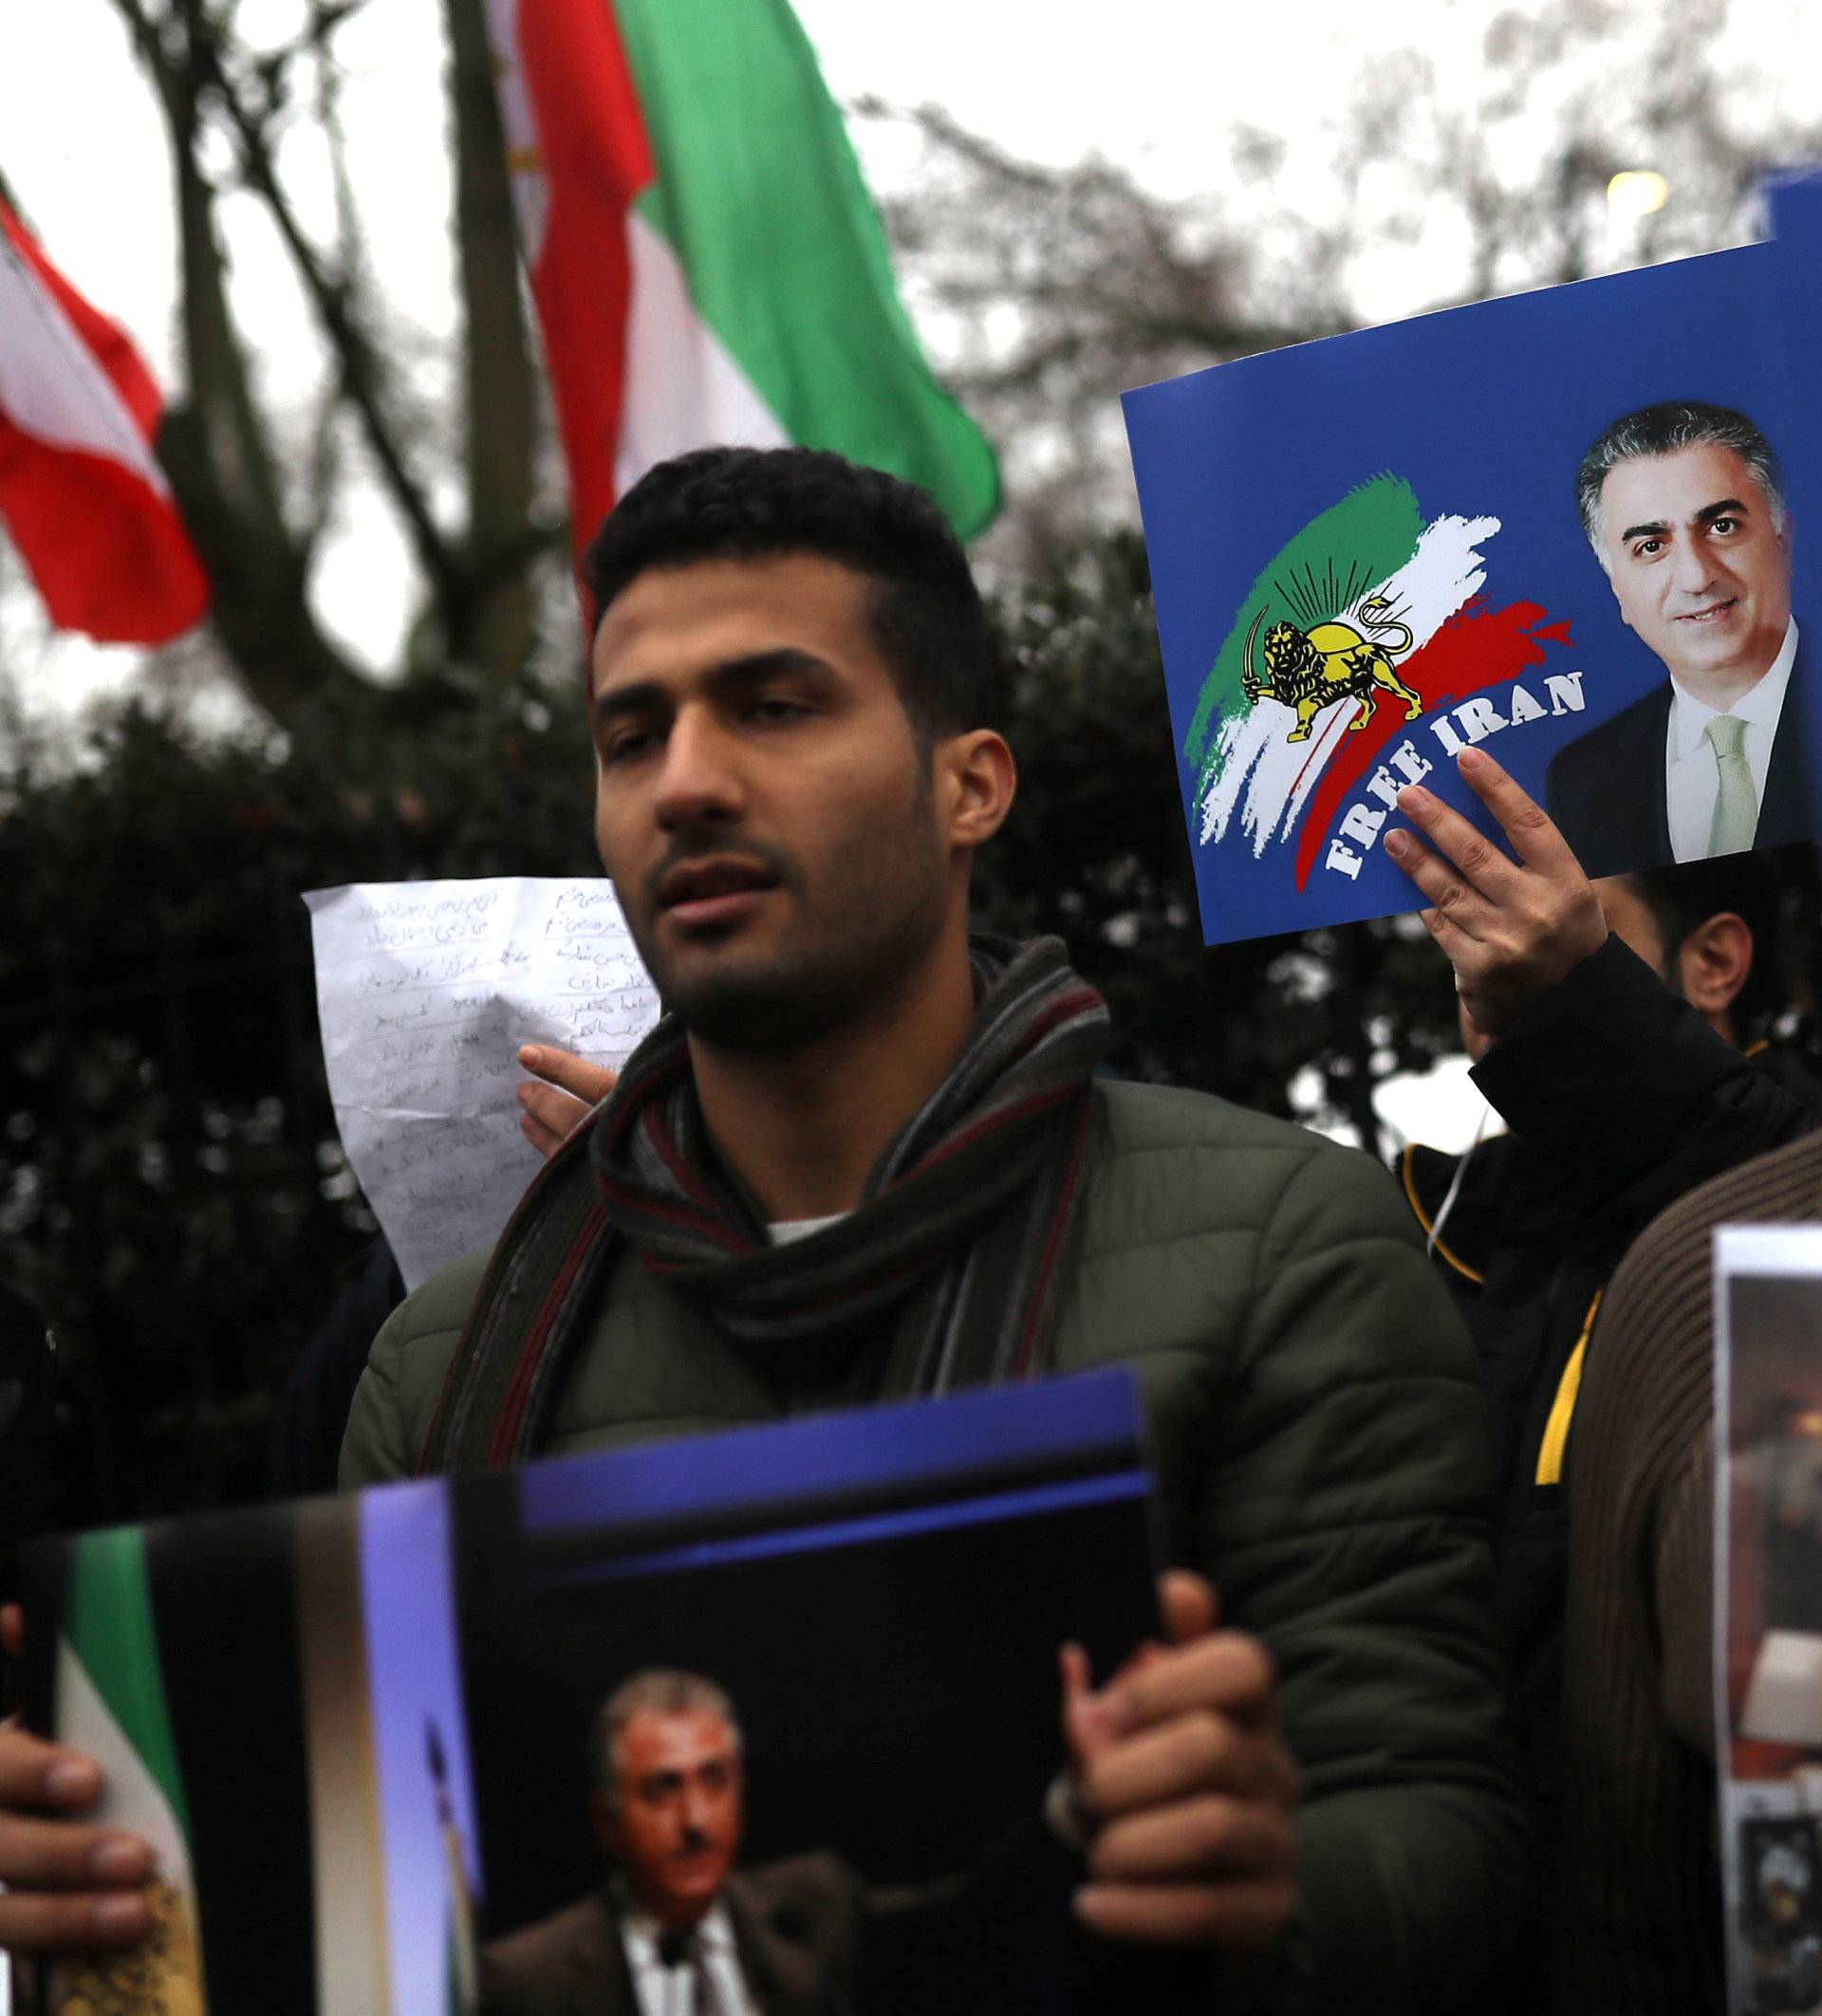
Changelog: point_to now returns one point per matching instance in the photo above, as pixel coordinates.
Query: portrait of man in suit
(678, 1928)
(1683, 505)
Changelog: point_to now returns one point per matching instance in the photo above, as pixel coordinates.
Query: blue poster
(1560, 526)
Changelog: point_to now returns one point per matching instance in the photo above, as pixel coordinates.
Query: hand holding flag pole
(1511, 929)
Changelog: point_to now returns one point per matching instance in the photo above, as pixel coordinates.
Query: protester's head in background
(1708, 929)
(1683, 505)
(792, 678)
(1716, 923)
(669, 1796)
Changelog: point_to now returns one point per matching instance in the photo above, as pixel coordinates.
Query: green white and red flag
(707, 262)
(111, 1702)
(80, 492)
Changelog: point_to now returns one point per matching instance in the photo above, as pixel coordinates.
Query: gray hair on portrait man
(1662, 430)
(656, 1691)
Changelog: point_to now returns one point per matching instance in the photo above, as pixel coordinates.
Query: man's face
(762, 804)
(1699, 570)
(674, 1827)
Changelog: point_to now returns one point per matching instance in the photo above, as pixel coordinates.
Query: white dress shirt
(669, 1990)
(1691, 769)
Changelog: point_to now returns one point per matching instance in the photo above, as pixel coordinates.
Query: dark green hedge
(171, 1193)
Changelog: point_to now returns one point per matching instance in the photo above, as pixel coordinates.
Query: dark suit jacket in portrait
(796, 1926)
(994, 1938)
(1605, 789)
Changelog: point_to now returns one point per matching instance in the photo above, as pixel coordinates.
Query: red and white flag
(80, 491)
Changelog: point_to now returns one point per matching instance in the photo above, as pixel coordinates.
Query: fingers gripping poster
(1562, 528)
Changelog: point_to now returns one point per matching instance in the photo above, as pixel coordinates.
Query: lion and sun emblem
(1310, 670)
(161, 1977)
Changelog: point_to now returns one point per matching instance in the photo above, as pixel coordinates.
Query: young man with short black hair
(866, 1157)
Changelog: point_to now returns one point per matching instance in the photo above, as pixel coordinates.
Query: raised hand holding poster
(1562, 526)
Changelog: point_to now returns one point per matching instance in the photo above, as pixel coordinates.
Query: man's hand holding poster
(876, 1712)
(1559, 527)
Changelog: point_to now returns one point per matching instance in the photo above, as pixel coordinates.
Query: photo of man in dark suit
(1683, 505)
(678, 1930)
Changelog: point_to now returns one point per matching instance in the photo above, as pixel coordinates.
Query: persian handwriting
(425, 992)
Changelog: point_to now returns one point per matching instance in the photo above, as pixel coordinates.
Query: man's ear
(600, 1817)
(1713, 963)
(976, 780)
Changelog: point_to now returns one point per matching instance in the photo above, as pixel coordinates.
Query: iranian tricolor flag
(80, 492)
(707, 262)
(111, 1703)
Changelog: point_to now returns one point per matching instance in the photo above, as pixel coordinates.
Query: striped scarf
(961, 1237)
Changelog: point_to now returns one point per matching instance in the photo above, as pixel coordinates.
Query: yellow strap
(1550, 1458)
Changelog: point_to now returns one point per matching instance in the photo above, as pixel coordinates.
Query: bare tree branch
(499, 402)
(1050, 290)
(363, 374)
(215, 448)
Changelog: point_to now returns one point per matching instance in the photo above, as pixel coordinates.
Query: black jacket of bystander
(1619, 1098)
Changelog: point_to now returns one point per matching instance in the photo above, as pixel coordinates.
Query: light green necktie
(1735, 818)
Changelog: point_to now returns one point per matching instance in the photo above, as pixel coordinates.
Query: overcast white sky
(1153, 84)
(80, 136)
(80, 140)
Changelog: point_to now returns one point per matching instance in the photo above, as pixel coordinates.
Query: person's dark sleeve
(26, 1427)
(312, 1411)
(1346, 1519)
(1001, 1924)
(1622, 1096)
(1640, 1916)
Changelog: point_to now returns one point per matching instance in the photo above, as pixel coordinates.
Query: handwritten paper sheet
(426, 990)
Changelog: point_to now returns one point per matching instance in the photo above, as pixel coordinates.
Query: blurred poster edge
(1767, 1611)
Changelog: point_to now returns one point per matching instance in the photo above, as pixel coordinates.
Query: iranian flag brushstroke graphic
(1372, 563)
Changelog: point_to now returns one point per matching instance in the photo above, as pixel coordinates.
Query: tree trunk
(214, 445)
(500, 404)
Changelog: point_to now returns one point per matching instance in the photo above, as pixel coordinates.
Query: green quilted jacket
(1323, 1455)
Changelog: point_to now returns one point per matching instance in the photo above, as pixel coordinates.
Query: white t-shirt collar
(786, 1231)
